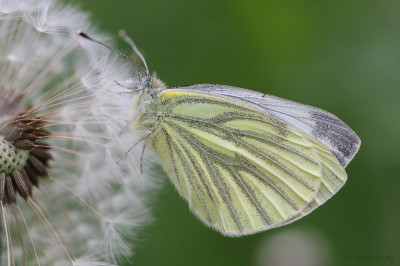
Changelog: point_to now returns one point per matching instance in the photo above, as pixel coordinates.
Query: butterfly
(244, 161)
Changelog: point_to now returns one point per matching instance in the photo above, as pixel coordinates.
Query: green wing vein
(241, 170)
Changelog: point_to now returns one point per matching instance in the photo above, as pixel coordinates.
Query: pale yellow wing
(241, 170)
(321, 125)
(332, 179)
(335, 142)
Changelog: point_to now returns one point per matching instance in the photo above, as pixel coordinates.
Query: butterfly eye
(145, 81)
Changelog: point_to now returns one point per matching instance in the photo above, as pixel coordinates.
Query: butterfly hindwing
(241, 170)
(335, 151)
(332, 179)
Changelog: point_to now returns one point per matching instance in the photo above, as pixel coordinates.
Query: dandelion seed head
(66, 196)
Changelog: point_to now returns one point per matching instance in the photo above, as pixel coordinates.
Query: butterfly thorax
(146, 103)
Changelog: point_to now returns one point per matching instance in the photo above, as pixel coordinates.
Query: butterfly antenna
(126, 38)
(84, 35)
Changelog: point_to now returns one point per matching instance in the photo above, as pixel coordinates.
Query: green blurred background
(341, 56)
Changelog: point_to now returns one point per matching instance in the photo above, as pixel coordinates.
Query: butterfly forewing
(332, 132)
(241, 170)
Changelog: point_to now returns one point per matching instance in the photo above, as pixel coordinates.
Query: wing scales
(332, 179)
(240, 175)
(321, 125)
(285, 177)
(211, 190)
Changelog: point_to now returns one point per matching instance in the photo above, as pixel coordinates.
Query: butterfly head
(149, 85)
(144, 79)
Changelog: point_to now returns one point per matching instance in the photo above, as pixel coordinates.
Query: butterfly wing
(241, 169)
(322, 127)
(332, 179)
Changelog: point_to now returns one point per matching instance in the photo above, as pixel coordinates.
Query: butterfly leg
(131, 89)
(141, 158)
(134, 145)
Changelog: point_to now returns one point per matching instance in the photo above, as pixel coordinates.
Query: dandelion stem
(7, 233)
(20, 236)
(29, 233)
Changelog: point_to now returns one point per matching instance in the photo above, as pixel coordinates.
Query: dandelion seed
(64, 195)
